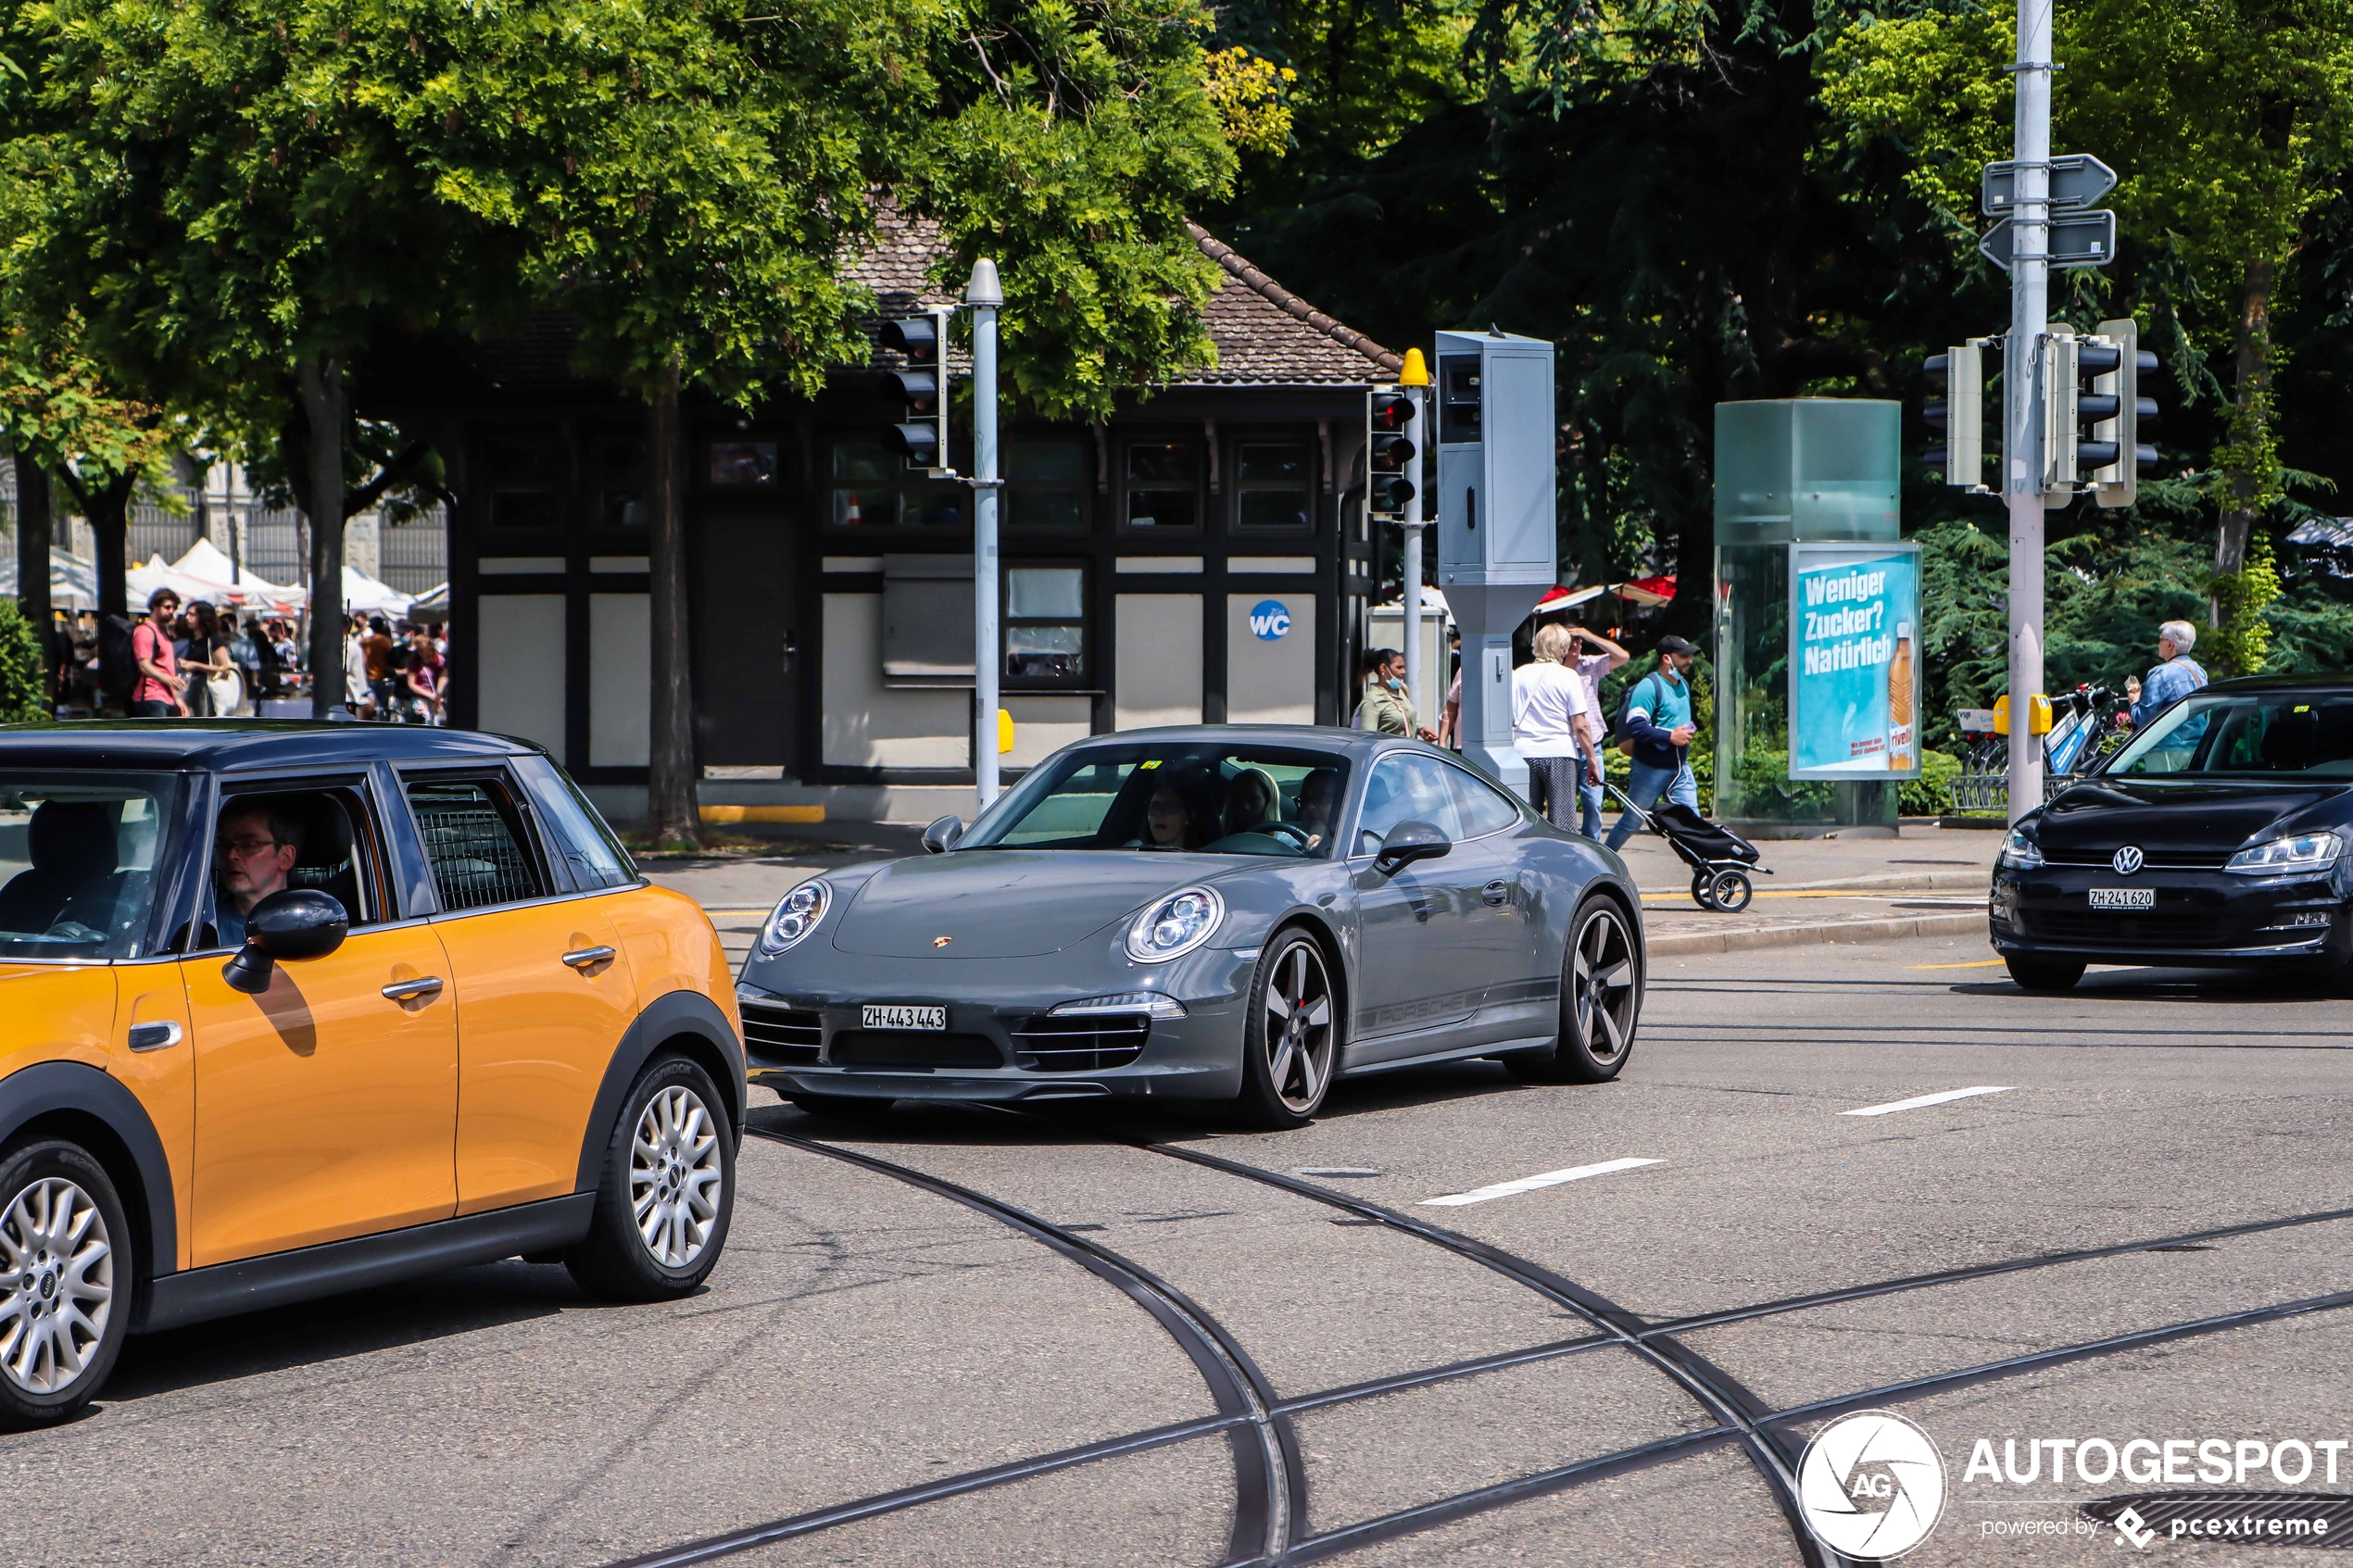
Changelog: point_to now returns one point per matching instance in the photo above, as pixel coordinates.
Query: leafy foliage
(24, 677)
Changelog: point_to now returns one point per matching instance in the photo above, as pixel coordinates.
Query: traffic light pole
(1415, 676)
(984, 295)
(2023, 459)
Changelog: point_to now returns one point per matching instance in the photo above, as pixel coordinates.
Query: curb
(1957, 924)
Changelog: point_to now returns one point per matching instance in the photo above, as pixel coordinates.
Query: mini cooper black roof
(233, 744)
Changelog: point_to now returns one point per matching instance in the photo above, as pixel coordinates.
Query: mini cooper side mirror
(1408, 842)
(941, 836)
(297, 922)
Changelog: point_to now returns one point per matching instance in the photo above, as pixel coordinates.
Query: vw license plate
(876, 1015)
(2123, 897)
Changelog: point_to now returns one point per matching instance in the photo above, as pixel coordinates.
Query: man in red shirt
(159, 692)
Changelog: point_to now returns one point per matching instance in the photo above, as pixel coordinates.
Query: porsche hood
(1008, 903)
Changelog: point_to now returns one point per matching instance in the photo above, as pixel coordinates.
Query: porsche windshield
(1208, 799)
(2269, 734)
(78, 862)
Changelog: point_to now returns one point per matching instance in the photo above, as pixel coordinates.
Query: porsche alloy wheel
(1601, 1001)
(1291, 1036)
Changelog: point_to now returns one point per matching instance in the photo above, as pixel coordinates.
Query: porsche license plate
(2123, 897)
(881, 1015)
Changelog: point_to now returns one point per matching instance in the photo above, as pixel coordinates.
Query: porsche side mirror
(297, 922)
(1408, 842)
(941, 836)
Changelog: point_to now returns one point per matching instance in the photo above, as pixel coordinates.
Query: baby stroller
(1721, 860)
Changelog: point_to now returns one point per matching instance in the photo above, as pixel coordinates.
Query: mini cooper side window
(588, 846)
(271, 841)
(78, 861)
(475, 843)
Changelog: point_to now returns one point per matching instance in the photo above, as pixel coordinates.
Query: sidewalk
(1930, 881)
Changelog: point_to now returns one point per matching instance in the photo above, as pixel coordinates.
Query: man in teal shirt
(1658, 718)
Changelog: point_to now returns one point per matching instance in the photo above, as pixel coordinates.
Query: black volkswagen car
(2217, 838)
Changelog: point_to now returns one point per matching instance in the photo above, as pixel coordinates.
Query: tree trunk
(321, 471)
(107, 512)
(33, 553)
(671, 816)
(2252, 397)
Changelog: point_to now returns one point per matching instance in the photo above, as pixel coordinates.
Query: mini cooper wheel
(66, 1281)
(1601, 1001)
(1290, 1035)
(2043, 974)
(667, 1192)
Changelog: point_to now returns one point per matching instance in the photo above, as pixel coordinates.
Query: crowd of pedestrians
(198, 660)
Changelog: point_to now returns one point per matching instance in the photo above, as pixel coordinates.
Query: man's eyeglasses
(246, 848)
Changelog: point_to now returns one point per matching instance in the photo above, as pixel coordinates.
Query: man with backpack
(159, 691)
(1657, 733)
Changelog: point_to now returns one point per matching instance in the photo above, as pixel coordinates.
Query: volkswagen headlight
(1175, 926)
(2301, 852)
(797, 915)
(2021, 853)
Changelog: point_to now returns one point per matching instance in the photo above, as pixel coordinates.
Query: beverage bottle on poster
(1899, 701)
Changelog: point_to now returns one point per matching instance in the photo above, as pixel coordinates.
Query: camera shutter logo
(1871, 1485)
(2128, 860)
(1269, 620)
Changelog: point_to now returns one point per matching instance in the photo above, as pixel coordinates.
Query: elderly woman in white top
(1553, 726)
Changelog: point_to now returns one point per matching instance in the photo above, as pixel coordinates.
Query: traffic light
(2117, 384)
(1961, 417)
(1388, 453)
(922, 384)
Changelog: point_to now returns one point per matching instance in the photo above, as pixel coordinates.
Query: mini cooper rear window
(475, 843)
(78, 862)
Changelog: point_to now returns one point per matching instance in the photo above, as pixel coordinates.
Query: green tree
(24, 667)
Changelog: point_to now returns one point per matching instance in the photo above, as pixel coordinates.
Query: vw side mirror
(1408, 842)
(941, 836)
(297, 922)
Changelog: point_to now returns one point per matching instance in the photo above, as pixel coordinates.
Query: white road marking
(1918, 1100)
(1530, 1184)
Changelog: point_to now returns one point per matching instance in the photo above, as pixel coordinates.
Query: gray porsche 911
(1239, 914)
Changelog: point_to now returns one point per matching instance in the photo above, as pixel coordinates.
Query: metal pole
(2023, 461)
(984, 295)
(1416, 677)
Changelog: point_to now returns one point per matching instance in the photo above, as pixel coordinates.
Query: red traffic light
(1389, 410)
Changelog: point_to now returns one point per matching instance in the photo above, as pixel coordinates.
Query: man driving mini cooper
(259, 846)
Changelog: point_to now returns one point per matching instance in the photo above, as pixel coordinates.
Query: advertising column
(1854, 661)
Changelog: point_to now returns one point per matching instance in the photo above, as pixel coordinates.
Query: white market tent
(363, 595)
(205, 573)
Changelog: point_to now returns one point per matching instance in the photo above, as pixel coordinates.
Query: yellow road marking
(1981, 963)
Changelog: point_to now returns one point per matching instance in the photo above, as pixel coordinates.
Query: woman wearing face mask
(1386, 708)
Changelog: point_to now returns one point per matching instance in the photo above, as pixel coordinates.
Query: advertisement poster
(1854, 661)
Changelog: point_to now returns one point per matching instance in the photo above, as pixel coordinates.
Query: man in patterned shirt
(2174, 678)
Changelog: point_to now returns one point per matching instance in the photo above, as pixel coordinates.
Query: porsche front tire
(1290, 1034)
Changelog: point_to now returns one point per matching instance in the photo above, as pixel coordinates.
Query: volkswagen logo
(2127, 860)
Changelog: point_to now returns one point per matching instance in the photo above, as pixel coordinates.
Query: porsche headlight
(797, 915)
(2021, 853)
(1175, 926)
(2302, 852)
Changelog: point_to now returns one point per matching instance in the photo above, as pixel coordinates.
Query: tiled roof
(1266, 334)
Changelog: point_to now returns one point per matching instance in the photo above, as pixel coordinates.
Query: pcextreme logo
(1871, 1485)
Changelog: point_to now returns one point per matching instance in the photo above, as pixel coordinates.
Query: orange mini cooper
(287, 1010)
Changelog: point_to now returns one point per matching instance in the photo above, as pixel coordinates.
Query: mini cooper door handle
(1497, 893)
(588, 958)
(410, 990)
(153, 1036)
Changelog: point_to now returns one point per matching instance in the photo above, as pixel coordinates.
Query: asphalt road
(965, 1336)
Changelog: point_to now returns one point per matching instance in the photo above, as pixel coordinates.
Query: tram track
(1270, 1528)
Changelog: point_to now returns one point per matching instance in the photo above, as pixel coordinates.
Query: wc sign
(1269, 621)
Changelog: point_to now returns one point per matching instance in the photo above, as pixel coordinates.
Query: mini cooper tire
(1290, 1034)
(659, 1224)
(2042, 975)
(1601, 1001)
(69, 1278)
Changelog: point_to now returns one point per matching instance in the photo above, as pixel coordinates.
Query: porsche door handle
(1497, 893)
(411, 990)
(588, 958)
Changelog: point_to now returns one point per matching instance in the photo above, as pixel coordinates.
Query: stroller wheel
(1702, 889)
(1731, 892)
